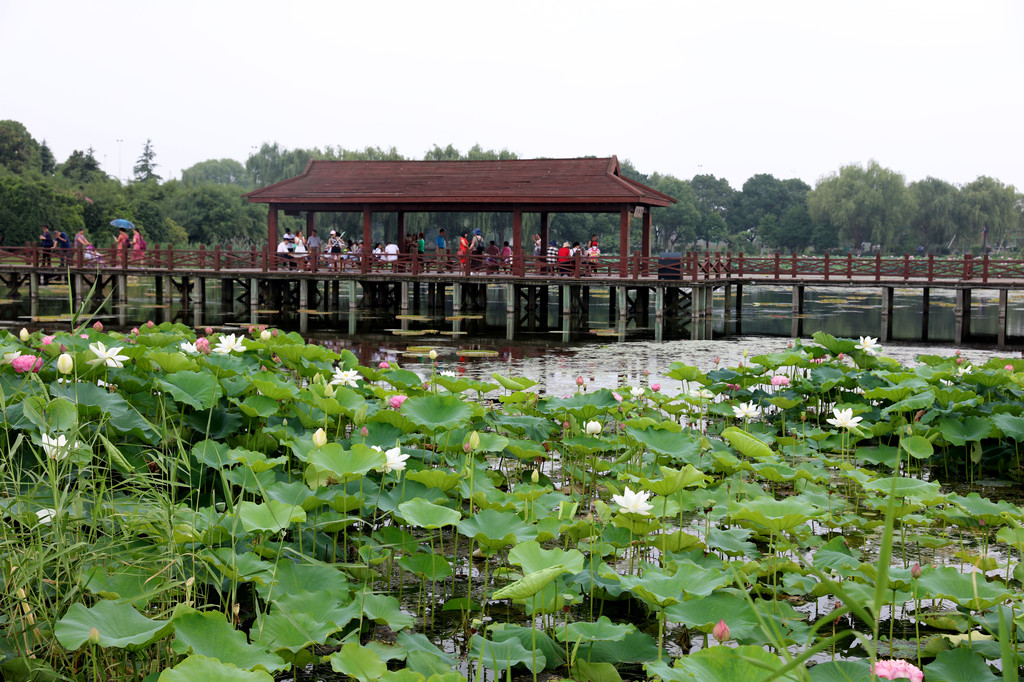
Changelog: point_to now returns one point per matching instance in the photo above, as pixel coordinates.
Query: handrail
(690, 266)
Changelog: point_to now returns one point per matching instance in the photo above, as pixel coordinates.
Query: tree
(449, 153)
(866, 204)
(987, 204)
(82, 167)
(934, 223)
(217, 172)
(19, 152)
(674, 225)
(270, 164)
(216, 214)
(145, 167)
(714, 199)
(762, 196)
(26, 204)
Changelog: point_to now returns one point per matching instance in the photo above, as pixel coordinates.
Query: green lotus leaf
(970, 590)
(918, 401)
(198, 389)
(600, 630)
(1012, 536)
(436, 412)
(916, 490)
(667, 440)
(259, 406)
(296, 578)
(504, 655)
(430, 566)
(978, 507)
(435, 478)
(118, 623)
(359, 662)
(245, 567)
(288, 633)
(332, 463)
(531, 583)
(747, 663)
(197, 668)
(208, 633)
(918, 447)
(171, 362)
(418, 642)
(129, 584)
(841, 671)
(676, 541)
(526, 450)
(269, 517)
(494, 529)
(732, 542)
(746, 444)
(428, 515)
(531, 557)
(674, 480)
(1011, 426)
(385, 610)
(775, 515)
(962, 429)
(274, 386)
(683, 372)
(959, 665)
(661, 589)
(728, 605)
(635, 647)
(833, 345)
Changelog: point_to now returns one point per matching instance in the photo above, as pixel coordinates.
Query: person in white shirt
(391, 252)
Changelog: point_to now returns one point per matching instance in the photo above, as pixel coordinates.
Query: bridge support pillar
(166, 293)
(78, 289)
(925, 311)
(353, 302)
(254, 297)
(621, 302)
(201, 290)
(33, 286)
(304, 294)
(798, 310)
(456, 298)
(511, 299)
(659, 304)
(227, 295)
(962, 316)
(885, 333)
(727, 296)
(122, 289)
(1001, 324)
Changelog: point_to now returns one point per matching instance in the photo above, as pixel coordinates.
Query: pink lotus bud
(579, 381)
(252, 329)
(647, 372)
(840, 356)
(364, 432)
(135, 330)
(721, 631)
(47, 340)
(958, 352)
(203, 345)
(717, 360)
(617, 396)
(63, 348)
(262, 327)
(959, 361)
(274, 332)
(915, 571)
(396, 401)
(981, 522)
(149, 323)
(565, 424)
(465, 447)
(655, 387)
(780, 380)
(98, 326)
(382, 365)
(209, 330)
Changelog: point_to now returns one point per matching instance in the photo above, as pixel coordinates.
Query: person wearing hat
(552, 256)
(335, 246)
(565, 260)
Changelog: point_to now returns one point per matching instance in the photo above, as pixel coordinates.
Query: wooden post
(878, 266)
(645, 241)
(624, 242)
(518, 264)
(925, 311)
(778, 260)
(216, 258)
(367, 231)
(272, 225)
(827, 265)
(887, 301)
(1001, 325)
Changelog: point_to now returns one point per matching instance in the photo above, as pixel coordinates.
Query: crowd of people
(53, 241)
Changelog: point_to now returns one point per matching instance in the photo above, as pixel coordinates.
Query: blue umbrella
(121, 222)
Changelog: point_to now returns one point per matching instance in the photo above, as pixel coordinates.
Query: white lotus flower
(189, 348)
(46, 515)
(266, 335)
(229, 343)
(869, 345)
(701, 394)
(110, 357)
(320, 438)
(843, 419)
(432, 354)
(633, 502)
(55, 448)
(447, 373)
(593, 428)
(345, 377)
(65, 363)
(395, 460)
(9, 357)
(636, 392)
(745, 410)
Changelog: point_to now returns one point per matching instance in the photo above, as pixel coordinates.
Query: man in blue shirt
(441, 247)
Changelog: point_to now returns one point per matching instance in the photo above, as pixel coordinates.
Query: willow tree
(864, 203)
(989, 209)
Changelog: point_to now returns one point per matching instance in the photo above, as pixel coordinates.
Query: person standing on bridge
(552, 259)
(46, 244)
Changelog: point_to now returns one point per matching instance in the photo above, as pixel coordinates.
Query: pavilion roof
(588, 184)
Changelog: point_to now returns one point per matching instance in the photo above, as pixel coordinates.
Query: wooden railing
(690, 266)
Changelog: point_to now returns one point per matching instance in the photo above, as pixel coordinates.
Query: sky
(685, 87)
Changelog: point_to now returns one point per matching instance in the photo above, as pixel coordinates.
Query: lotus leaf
(747, 444)
(288, 633)
(494, 529)
(197, 389)
(209, 634)
(423, 514)
(531, 638)
(531, 583)
(198, 668)
(270, 517)
(532, 558)
(841, 671)
(118, 623)
(959, 665)
(971, 590)
(504, 655)
(436, 412)
(775, 515)
(332, 463)
(430, 566)
(359, 662)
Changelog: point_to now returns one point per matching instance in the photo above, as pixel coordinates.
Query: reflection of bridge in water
(673, 289)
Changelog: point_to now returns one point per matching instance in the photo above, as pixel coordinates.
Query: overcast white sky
(795, 89)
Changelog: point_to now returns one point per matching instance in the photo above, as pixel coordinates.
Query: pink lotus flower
(383, 365)
(1008, 368)
(780, 380)
(98, 326)
(915, 571)
(396, 401)
(149, 323)
(721, 631)
(47, 340)
(203, 345)
(897, 669)
(26, 363)
(617, 397)
(840, 356)
(655, 387)
(135, 330)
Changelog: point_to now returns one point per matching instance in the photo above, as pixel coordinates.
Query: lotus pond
(209, 507)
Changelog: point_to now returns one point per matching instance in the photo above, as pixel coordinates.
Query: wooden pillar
(122, 289)
(403, 302)
(798, 311)
(1001, 328)
(401, 231)
(624, 242)
(544, 238)
(367, 231)
(33, 285)
(645, 240)
(353, 301)
(310, 223)
(925, 312)
(456, 298)
(201, 290)
(885, 334)
(511, 299)
(272, 227)
(518, 265)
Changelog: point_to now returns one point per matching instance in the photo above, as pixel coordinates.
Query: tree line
(856, 208)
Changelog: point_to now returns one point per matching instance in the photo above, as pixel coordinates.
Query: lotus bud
(149, 323)
(24, 335)
(959, 360)
(744, 352)
(63, 348)
(432, 354)
(274, 332)
(203, 345)
(94, 636)
(265, 335)
(319, 438)
(721, 631)
(593, 428)
(841, 356)
(655, 387)
(474, 440)
(135, 330)
(65, 364)
(717, 360)
(1008, 368)
(209, 330)
(981, 522)
(535, 476)
(579, 380)
(364, 432)
(466, 448)
(98, 326)
(328, 391)
(284, 421)
(190, 582)
(252, 330)
(915, 571)
(383, 365)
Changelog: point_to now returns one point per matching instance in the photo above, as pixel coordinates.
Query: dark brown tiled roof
(590, 182)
